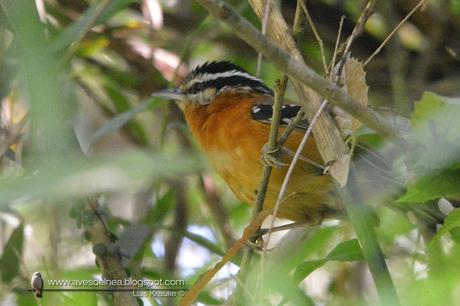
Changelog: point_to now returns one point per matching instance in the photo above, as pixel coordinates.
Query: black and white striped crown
(221, 76)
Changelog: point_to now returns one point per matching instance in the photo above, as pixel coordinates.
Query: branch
(291, 170)
(272, 147)
(393, 32)
(107, 257)
(193, 293)
(363, 222)
(298, 71)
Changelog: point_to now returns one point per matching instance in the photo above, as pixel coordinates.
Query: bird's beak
(170, 94)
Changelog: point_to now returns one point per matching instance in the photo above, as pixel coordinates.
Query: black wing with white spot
(264, 112)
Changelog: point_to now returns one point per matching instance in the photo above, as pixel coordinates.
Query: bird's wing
(263, 111)
(37, 283)
(369, 159)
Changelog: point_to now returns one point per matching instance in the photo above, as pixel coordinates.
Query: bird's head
(37, 274)
(206, 82)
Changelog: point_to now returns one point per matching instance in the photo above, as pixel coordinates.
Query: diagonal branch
(327, 135)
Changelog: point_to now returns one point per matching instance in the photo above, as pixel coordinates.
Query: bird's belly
(309, 196)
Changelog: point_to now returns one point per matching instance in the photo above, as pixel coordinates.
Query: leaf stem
(363, 221)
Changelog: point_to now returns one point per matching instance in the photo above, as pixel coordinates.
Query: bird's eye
(195, 88)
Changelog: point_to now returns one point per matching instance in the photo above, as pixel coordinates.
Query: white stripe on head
(204, 77)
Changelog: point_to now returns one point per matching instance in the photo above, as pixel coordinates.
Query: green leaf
(452, 221)
(119, 121)
(206, 243)
(66, 177)
(84, 274)
(9, 264)
(437, 184)
(306, 268)
(349, 250)
(436, 129)
(158, 212)
(122, 105)
(207, 299)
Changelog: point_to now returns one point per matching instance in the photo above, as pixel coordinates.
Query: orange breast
(233, 142)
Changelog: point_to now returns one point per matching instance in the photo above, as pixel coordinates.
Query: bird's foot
(285, 227)
(256, 244)
(272, 157)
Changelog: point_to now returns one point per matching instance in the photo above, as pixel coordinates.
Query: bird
(229, 112)
(37, 284)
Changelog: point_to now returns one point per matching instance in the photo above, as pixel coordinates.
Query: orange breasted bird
(229, 113)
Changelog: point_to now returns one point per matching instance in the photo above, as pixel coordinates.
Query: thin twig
(397, 57)
(173, 242)
(282, 227)
(272, 146)
(248, 232)
(291, 127)
(291, 169)
(393, 32)
(280, 88)
(304, 159)
(264, 32)
(337, 42)
(315, 32)
(357, 30)
(217, 209)
(359, 26)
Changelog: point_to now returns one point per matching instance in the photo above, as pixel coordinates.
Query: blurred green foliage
(77, 122)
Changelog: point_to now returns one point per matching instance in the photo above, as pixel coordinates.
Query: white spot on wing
(286, 120)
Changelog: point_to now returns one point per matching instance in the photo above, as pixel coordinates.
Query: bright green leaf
(119, 121)
(207, 299)
(436, 129)
(158, 212)
(349, 250)
(452, 221)
(435, 185)
(122, 104)
(306, 268)
(74, 177)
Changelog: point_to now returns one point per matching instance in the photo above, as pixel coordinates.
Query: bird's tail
(429, 215)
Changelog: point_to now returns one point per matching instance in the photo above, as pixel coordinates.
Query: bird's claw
(271, 157)
(327, 167)
(256, 245)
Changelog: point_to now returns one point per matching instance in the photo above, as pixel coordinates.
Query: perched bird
(229, 113)
(37, 284)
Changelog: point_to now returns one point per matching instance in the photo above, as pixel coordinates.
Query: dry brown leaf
(339, 170)
(354, 79)
(355, 82)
